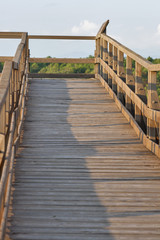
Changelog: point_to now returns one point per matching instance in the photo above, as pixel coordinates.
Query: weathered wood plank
(62, 37)
(81, 172)
(60, 75)
(62, 60)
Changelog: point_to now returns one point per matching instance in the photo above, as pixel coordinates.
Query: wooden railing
(13, 87)
(123, 83)
(127, 88)
(62, 60)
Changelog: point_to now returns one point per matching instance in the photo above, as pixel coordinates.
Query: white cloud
(5, 31)
(139, 28)
(158, 29)
(85, 27)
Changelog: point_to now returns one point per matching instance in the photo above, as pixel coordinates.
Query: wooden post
(139, 90)
(110, 63)
(115, 56)
(16, 85)
(153, 103)
(97, 55)
(130, 82)
(28, 55)
(120, 73)
(105, 59)
(3, 144)
(101, 56)
(7, 105)
(12, 88)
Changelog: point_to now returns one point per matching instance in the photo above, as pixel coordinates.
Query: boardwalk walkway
(81, 173)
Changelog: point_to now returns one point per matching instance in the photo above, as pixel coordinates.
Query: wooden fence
(13, 87)
(123, 82)
(126, 87)
(61, 60)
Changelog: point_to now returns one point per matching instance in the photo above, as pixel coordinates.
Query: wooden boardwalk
(81, 173)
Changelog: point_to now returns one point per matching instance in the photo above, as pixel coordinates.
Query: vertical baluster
(3, 127)
(101, 56)
(110, 63)
(97, 55)
(130, 82)
(110, 55)
(105, 59)
(153, 103)
(139, 90)
(10, 93)
(115, 55)
(95, 65)
(15, 79)
(7, 105)
(120, 73)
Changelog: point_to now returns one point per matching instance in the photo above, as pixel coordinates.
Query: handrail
(61, 37)
(13, 85)
(12, 35)
(127, 51)
(5, 58)
(124, 86)
(4, 82)
(127, 87)
(145, 63)
(62, 60)
(19, 51)
(146, 111)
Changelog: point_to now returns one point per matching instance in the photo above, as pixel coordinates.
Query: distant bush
(62, 67)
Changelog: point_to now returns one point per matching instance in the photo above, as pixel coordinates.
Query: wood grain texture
(62, 37)
(62, 60)
(81, 172)
(149, 113)
(60, 75)
(12, 35)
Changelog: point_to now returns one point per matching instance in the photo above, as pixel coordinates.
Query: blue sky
(136, 24)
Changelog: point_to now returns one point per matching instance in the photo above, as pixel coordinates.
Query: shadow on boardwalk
(81, 173)
(54, 196)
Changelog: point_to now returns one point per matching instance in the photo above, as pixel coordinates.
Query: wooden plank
(139, 91)
(62, 60)
(24, 38)
(81, 167)
(10, 35)
(130, 81)
(18, 55)
(60, 75)
(115, 66)
(105, 59)
(154, 67)
(153, 103)
(3, 59)
(5, 81)
(120, 74)
(61, 37)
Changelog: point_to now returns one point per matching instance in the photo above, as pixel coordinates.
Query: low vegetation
(61, 67)
(85, 68)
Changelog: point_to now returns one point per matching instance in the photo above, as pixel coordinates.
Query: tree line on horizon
(85, 68)
(62, 67)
